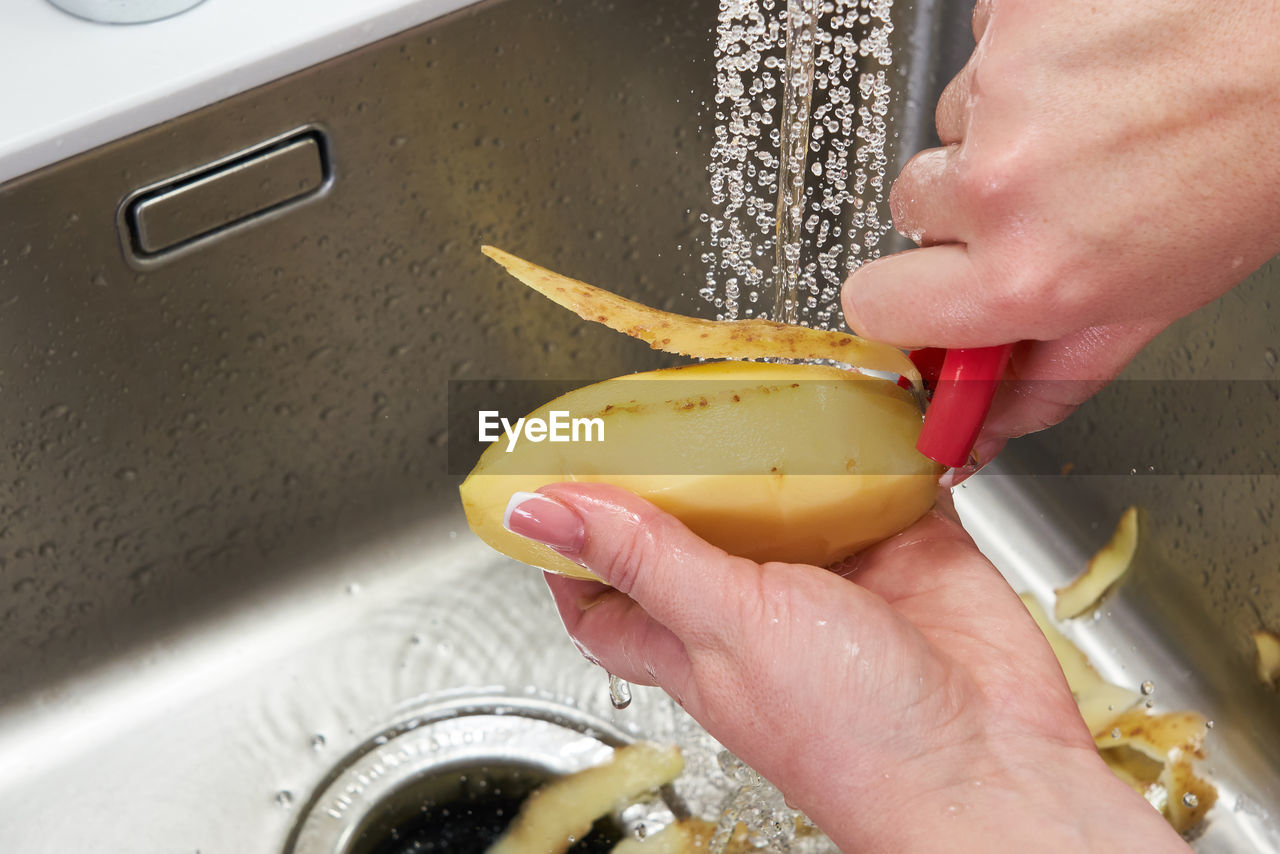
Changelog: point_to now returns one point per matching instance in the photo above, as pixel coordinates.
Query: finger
(923, 199)
(917, 298)
(941, 296)
(952, 115)
(981, 18)
(683, 582)
(614, 632)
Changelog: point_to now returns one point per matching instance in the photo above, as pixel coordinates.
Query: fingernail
(953, 477)
(545, 520)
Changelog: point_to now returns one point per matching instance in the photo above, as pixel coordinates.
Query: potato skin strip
(561, 812)
(1268, 648)
(1100, 702)
(1154, 753)
(1104, 571)
(706, 339)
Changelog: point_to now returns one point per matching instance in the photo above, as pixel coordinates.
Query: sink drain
(452, 776)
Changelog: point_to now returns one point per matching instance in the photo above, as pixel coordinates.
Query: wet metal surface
(230, 549)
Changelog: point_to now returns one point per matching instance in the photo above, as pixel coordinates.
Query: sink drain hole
(451, 774)
(462, 811)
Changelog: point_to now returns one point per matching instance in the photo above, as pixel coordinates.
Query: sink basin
(231, 551)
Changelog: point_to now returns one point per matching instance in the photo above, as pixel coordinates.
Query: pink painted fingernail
(542, 518)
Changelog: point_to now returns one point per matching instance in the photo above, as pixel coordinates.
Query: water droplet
(1190, 801)
(1270, 356)
(284, 798)
(1147, 687)
(619, 692)
(318, 742)
(1115, 732)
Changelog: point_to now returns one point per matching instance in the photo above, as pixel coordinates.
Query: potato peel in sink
(1268, 648)
(564, 809)
(701, 338)
(1171, 741)
(1105, 569)
(1100, 702)
(1152, 752)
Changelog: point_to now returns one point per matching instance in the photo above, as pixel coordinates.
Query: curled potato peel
(756, 338)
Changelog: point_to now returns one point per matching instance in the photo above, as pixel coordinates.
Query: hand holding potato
(906, 699)
(1107, 169)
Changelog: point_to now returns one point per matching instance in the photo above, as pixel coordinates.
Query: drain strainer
(453, 774)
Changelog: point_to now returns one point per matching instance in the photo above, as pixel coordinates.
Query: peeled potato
(796, 463)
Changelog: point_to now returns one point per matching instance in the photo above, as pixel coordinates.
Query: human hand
(906, 703)
(1107, 169)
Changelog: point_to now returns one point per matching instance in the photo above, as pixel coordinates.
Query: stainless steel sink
(231, 552)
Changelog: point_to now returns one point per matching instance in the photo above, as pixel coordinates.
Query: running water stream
(797, 189)
(797, 99)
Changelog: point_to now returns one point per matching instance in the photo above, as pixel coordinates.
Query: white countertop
(70, 84)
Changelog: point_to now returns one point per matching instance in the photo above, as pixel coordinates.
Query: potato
(797, 463)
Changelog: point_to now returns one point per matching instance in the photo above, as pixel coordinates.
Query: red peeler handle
(966, 382)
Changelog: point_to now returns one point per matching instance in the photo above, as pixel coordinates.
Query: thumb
(940, 296)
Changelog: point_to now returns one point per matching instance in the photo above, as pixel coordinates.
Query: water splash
(808, 227)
